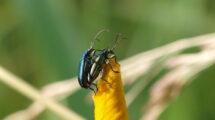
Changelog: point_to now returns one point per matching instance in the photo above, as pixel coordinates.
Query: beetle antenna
(97, 35)
(117, 39)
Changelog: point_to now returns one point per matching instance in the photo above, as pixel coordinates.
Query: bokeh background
(42, 42)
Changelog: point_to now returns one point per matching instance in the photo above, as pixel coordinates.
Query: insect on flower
(91, 64)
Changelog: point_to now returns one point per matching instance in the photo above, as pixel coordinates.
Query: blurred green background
(42, 42)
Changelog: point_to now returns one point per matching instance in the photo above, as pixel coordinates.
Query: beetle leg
(112, 68)
(107, 62)
(92, 90)
(114, 57)
(107, 82)
(95, 86)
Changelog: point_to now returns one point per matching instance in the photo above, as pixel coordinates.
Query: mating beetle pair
(91, 64)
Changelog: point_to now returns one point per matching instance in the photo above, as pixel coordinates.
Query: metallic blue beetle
(86, 63)
(84, 68)
(91, 65)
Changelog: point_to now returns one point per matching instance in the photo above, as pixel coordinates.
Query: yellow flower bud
(109, 100)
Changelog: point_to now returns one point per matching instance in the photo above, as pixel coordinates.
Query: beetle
(100, 60)
(91, 65)
(85, 64)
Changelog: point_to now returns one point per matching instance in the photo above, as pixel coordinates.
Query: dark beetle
(85, 64)
(84, 68)
(100, 59)
(91, 65)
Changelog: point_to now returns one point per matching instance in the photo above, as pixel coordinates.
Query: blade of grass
(32, 93)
